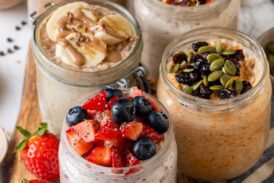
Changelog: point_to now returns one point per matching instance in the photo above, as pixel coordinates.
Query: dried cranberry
(203, 92)
(226, 94)
(246, 86)
(199, 44)
(188, 78)
(179, 57)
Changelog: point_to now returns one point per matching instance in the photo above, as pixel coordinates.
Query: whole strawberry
(32, 181)
(39, 151)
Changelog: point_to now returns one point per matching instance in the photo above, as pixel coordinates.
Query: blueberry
(202, 92)
(158, 121)
(142, 105)
(226, 94)
(123, 110)
(144, 148)
(76, 115)
(199, 44)
(111, 92)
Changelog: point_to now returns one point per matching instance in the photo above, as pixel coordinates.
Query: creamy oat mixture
(86, 37)
(214, 144)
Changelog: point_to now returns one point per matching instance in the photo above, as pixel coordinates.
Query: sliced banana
(58, 16)
(84, 51)
(113, 29)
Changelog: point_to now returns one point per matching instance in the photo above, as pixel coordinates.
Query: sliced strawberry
(79, 145)
(103, 117)
(86, 130)
(131, 160)
(154, 104)
(100, 155)
(117, 158)
(111, 135)
(151, 133)
(112, 101)
(131, 130)
(91, 114)
(97, 102)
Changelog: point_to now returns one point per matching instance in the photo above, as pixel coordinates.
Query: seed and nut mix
(210, 71)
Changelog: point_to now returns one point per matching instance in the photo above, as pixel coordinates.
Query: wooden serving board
(29, 119)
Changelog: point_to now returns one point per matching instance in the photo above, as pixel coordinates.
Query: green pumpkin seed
(219, 46)
(188, 70)
(238, 86)
(197, 85)
(229, 83)
(224, 79)
(183, 65)
(230, 68)
(214, 76)
(175, 68)
(189, 57)
(270, 47)
(213, 56)
(188, 90)
(228, 52)
(216, 87)
(217, 64)
(204, 49)
(205, 81)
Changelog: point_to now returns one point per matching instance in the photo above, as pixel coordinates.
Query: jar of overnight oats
(161, 23)
(77, 169)
(79, 47)
(219, 103)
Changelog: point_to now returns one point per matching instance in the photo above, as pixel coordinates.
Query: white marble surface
(256, 17)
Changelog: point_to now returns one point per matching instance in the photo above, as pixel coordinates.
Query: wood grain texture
(29, 119)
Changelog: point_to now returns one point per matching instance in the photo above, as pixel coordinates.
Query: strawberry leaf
(42, 130)
(22, 145)
(23, 131)
(24, 181)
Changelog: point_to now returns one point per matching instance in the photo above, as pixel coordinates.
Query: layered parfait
(167, 19)
(118, 136)
(217, 90)
(78, 48)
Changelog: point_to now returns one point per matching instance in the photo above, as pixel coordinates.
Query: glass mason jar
(58, 86)
(161, 23)
(160, 168)
(218, 139)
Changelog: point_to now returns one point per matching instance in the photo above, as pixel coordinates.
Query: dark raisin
(198, 58)
(226, 94)
(202, 67)
(201, 1)
(238, 56)
(246, 86)
(179, 58)
(203, 92)
(199, 44)
(188, 78)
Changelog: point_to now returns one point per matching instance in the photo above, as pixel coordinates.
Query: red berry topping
(32, 181)
(112, 101)
(131, 130)
(39, 152)
(151, 133)
(131, 160)
(78, 144)
(96, 103)
(117, 158)
(101, 155)
(86, 130)
(103, 117)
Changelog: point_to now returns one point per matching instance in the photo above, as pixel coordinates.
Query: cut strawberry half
(79, 145)
(86, 130)
(131, 160)
(100, 155)
(154, 104)
(151, 133)
(131, 130)
(97, 103)
(112, 101)
(103, 117)
(117, 158)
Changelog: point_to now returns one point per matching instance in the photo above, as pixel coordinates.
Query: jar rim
(212, 105)
(182, 12)
(114, 7)
(84, 164)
